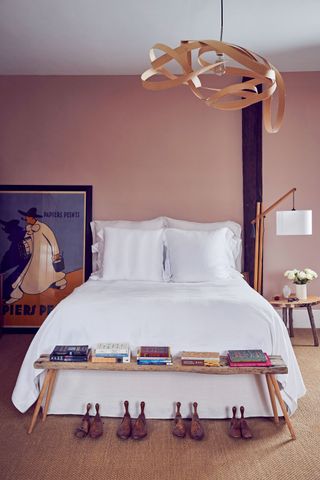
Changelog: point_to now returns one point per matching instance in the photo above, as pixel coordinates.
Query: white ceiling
(109, 37)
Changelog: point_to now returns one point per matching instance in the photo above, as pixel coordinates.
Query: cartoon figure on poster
(16, 257)
(45, 264)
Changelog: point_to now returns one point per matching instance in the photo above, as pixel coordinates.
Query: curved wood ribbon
(232, 97)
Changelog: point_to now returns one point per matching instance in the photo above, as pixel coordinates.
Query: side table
(287, 311)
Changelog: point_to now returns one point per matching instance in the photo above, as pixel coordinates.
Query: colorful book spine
(200, 363)
(154, 351)
(111, 355)
(192, 362)
(68, 358)
(71, 350)
(113, 358)
(207, 359)
(108, 360)
(159, 359)
(151, 361)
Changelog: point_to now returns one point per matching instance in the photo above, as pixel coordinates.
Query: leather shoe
(84, 428)
(196, 429)
(244, 427)
(234, 429)
(96, 428)
(125, 428)
(179, 427)
(139, 429)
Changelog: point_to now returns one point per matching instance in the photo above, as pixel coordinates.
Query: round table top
(285, 303)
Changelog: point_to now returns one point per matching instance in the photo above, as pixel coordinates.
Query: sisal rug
(51, 452)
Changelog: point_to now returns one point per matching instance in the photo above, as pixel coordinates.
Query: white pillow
(97, 227)
(131, 254)
(199, 256)
(187, 225)
(235, 239)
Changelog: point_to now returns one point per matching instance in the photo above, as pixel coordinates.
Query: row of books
(101, 352)
(155, 355)
(111, 353)
(235, 358)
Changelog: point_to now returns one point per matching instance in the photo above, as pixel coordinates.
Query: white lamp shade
(294, 222)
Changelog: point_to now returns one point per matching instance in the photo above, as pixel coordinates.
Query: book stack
(248, 358)
(70, 353)
(111, 353)
(154, 356)
(200, 359)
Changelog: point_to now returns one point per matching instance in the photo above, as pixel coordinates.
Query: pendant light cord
(221, 20)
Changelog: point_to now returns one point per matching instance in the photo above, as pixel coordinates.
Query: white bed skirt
(215, 394)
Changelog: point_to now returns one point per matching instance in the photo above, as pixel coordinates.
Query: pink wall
(149, 154)
(146, 154)
(291, 159)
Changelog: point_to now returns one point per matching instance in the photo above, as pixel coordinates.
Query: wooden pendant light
(256, 69)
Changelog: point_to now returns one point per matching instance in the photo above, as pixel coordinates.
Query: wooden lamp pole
(258, 251)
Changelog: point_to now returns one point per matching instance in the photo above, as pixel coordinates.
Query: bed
(163, 282)
(207, 316)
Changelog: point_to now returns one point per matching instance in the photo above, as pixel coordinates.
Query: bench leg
(272, 398)
(314, 330)
(40, 398)
(49, 394)
(282, 405)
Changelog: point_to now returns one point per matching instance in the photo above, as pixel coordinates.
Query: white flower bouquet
(300, 277)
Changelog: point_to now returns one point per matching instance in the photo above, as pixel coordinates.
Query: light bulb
(220, 69)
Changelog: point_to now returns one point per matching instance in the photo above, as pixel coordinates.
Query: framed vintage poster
(45, 249)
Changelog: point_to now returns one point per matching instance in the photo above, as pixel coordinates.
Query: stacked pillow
(234, 242)
(132, 254)
(165, 249)
(199, 256)
(98, 237)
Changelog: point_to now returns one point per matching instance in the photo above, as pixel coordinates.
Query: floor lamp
(289, 222)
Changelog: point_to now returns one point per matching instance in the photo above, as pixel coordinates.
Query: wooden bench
(278, 367)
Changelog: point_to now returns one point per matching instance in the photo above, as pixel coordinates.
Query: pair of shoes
(94, 429)
(139, 428)
(238, 426)
(179, 427)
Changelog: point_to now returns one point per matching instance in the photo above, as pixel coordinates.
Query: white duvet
(216, 316)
